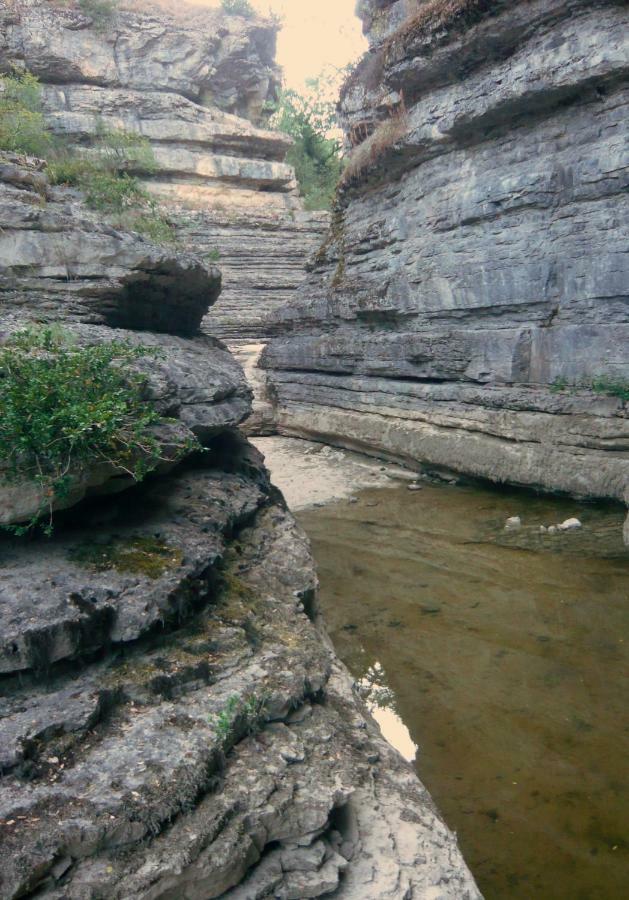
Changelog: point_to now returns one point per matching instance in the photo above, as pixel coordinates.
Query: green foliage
(65, 407)
(611, 387)
(559, 385)
(101, 12)
(22, 126)
(310, 119)
(240, 714)
(600, 384)
(104, 172)
(238, 8)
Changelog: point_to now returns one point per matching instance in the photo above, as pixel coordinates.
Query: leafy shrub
(600, 384)
(310, 119)
(104, 172)
(611, 387)
(22, 125)
(101, 12)
(238, 8)
(65, 407)
(241, 714)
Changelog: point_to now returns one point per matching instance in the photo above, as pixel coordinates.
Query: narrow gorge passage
(495, 659)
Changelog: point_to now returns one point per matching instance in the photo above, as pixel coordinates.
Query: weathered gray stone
(117, 768)
(60, 265)
(220, 176)
(479, 259)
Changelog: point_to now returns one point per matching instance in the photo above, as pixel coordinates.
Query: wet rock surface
(475, 278)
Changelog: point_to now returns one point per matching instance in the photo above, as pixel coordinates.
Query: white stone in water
(414, 487)
(513, 523)
(553, 529)
(569, 525)
(543, 529)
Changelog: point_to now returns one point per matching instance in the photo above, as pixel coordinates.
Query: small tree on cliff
(310, 119)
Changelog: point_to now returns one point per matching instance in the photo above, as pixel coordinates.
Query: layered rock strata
(173, 720)
(178, 727)
(475, 280)
(60, 266)
(196, 83)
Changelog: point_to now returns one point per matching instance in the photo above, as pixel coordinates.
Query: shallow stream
(498, 661)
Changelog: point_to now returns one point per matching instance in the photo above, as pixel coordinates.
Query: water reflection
(380, 701)
(502, 655)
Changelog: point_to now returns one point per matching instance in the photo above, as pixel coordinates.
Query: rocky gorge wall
(475, 278)
(173, 720)
(195, 83)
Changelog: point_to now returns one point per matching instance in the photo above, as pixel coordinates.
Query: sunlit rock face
(477, 263)
(196, 83)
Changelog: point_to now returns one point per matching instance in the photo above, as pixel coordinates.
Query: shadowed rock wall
(477, 262)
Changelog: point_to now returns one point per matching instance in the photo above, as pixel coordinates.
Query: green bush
(65, 407)
(611, 387)
(22, 125)
(600, 384)
(104, 172)
(310, 119)
(238, 8)
(101, 12)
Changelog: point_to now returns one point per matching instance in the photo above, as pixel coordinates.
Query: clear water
(498, 660)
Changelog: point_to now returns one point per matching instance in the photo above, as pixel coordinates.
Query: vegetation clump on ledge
(66, 408)
(104, 172)
(101, 12)
(238, 8)
(365, 155)
(440, 18)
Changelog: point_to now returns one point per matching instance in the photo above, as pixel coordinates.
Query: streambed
(498, 662)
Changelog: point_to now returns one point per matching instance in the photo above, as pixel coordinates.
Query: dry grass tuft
(366, 154)
(439, 16)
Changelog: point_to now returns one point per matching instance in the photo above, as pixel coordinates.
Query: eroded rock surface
(195, 83)
(60, 265)
(173, 723)
(475, 277)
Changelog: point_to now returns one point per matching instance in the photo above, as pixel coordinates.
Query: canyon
(174, 719)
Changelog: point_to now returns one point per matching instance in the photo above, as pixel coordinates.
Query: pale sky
(317, 34)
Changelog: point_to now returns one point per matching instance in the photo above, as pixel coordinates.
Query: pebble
(569, 525)
(414, 487)
(553, 529)
(513, 523)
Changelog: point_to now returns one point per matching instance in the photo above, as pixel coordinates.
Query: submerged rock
(569, 525)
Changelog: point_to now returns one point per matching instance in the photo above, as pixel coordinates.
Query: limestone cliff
(475, 280)
(194, 82)
(173, 721)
